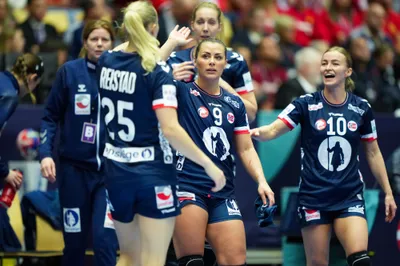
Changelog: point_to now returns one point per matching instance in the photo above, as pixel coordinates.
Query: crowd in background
(281, 40)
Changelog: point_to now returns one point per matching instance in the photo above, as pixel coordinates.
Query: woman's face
(211, 60)
(99, 40)
(334, 69)
(206, 24)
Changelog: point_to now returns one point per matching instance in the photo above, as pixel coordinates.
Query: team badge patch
(82, 104)
(164, 197)
(312, 215)
(203, 112)
(352, 126)
(320, 124)
(230, 117)
(72, 220)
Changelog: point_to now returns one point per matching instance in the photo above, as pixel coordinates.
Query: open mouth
(329, 76)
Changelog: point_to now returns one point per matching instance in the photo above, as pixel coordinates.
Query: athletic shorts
(218, 209)
(153, 201)
(308, 216)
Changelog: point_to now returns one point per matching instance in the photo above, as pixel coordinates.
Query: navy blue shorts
(218, 209)
(310, 216)
(129, 198)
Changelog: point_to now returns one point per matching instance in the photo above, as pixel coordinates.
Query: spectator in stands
(174, 12)
(392, 20)
(388, 99)
(372, 28)
(36, 32)
(285, 29)
(343, 17)
(307, 61)
(268, 73)
(7, 25)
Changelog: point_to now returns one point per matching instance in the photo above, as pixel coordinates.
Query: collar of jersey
(90, 64)
(333, 104)
(206, 93)
(13, 80)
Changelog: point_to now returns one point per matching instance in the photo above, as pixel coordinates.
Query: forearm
(252, 164)
(167, 48)
(378, 169)
(181, 141)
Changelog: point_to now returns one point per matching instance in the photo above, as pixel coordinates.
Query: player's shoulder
(234, 58)
(73, 64)
(358, 104)
(180, 56)
(309, 98)
(232, 100)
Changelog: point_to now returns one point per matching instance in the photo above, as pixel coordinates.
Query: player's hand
(266, 192)
(216, 175)
(180, 37)
(390, 208)
(256, 134)
(183, 71)
(14, 178)
(48, 169)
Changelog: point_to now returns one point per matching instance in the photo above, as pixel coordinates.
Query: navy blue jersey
(134, 140)
(9, 90)
(330, 140)
(211, 121)
(236, 72)
(73, 104)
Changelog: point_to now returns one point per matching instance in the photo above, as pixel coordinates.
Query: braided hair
(28, 64)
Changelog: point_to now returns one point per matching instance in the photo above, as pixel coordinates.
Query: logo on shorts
(72, 223)
(357, 208)
(203, 112)
(164, 197)
(312, 215)
(183, 195)
(108, 220)
(232, 207)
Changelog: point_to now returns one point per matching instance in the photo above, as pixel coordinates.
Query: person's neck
(209, 86)
(335, 95)
(23, 90)
(130, 48)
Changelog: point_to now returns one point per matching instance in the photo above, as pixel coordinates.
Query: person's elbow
(251, 110)
(170, 129)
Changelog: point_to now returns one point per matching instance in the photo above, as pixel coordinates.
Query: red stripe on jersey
(369, 139)
(242, 92)
(286, 123)
(242, 132)
(158, 106)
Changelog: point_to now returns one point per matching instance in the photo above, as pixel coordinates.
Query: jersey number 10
(340, 128)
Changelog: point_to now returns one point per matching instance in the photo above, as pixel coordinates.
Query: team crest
(352, 126)
(203, 112)
(320, 124)
(230, 117)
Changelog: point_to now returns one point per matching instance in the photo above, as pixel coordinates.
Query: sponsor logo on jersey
(228, 99)
(164, 197)
(335, 114)
(315, 107)
(82, 104)
(230, 117)
(357, 208)
(320, 124)
(352, 126)
(312, 215)
(356, 109)
(82, 88)
(72, 220)
(194, 92)
(203, 112)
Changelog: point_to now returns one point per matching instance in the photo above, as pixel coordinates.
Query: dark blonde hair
(212, 40)
(26, 64)
(94, 25)
(138, 16)
(349, 83)
(220, 15)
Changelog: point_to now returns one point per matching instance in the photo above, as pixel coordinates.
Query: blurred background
(282, 42)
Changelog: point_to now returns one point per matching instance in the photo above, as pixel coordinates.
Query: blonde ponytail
(349, 84)
(138, 16)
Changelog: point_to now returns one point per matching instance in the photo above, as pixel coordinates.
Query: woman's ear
(33, 77)
(349, 72)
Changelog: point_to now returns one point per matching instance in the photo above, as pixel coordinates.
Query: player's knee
(191, 260)
(359, 259)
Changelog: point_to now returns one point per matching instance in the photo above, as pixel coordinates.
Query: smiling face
(210, 60)
(334, 69)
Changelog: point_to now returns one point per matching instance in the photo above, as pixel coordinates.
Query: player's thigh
(155, 236)
(316, 240)
(190, 231)
(352, 232)
(228, 241)
(128, 235)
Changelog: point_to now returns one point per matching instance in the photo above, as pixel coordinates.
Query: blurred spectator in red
(267, 73)
(237, 11)
(307, 80)
(271, 14)
(307, 28)
(7, 25)
(172, 13)
(253, 31)
(392, 21)
(372, 28)
(343, 18)
(36, 32)
(285, 30)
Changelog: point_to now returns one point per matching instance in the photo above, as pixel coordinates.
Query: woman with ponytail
(334, 122)
(73, 105)
(139, 101)
(23, 79)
